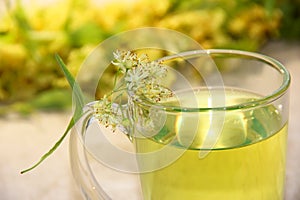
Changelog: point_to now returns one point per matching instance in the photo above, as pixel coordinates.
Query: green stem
(56, 145)
(79, 103)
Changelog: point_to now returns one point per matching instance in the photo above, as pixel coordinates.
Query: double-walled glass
(222, 136)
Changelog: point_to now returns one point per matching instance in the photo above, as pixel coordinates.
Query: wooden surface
(23, 141)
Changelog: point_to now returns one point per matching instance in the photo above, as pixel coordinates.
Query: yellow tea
(247, 161)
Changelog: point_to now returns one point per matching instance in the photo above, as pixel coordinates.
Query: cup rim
(276, 94)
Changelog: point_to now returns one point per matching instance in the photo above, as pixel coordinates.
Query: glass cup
(222, 136)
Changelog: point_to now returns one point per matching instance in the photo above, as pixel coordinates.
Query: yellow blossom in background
(110, 15)
(205, 26)
(152, 12)
(255, 23)
(6, 24)
(13, 55)
(30, 34)
(48, 18)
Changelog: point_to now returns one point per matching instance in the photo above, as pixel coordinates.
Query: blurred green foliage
(31, 35)
(290, 26)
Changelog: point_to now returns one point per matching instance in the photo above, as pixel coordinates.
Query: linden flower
(140, 76)
(154, 92)
(156, 70)
(136, 77)
(124, 60)
(105, 113)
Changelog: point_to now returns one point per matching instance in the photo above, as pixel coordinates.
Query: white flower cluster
(104, 112)
(140, 76)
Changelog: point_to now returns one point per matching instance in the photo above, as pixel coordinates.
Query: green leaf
(79, 103)
(56, 145)
(77, 93)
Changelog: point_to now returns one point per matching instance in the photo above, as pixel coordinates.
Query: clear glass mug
(222, 136)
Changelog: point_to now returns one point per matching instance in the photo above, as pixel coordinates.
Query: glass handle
(81, 168)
